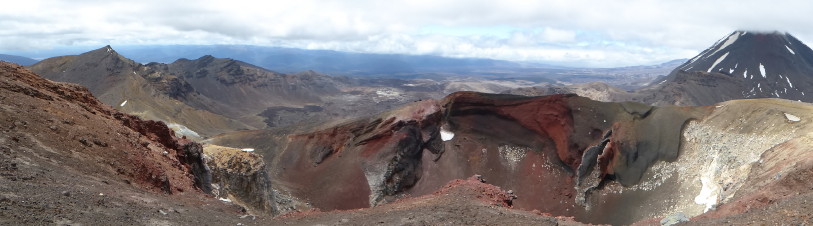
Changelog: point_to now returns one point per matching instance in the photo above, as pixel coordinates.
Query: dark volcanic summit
(750, 65)
(742, 65)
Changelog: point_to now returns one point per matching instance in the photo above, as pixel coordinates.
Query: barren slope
(135, 89)
(66, 158)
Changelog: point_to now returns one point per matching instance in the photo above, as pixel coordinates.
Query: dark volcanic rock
(242, 88)
(743, 65)
(746, 65)
(148, 91)
(242, 177)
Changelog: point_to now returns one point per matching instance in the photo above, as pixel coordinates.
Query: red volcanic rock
(548, 116)
(526, 144)
(144, 151)
(606, 158)
(459, 202)
(385, 148)
(485, 192)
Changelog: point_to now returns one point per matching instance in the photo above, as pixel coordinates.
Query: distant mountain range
(17, 59)
(208, 95)
(292, 60)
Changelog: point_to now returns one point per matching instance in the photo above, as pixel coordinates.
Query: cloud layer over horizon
(573, 33)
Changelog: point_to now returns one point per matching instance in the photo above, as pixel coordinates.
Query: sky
(599, 33)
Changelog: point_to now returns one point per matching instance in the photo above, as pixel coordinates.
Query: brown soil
(460, 202)
(65, 158)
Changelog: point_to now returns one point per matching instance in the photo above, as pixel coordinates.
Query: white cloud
(576, 32)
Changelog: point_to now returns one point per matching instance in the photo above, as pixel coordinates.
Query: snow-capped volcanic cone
(766, 64)
(742, 65)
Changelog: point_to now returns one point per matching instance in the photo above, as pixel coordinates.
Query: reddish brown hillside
(79, 132)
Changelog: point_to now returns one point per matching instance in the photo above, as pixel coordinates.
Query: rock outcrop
(240, 177)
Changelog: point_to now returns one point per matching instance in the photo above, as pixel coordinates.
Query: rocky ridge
(137, 89)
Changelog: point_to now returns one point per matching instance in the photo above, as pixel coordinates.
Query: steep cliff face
(240, 177)
(383, 155)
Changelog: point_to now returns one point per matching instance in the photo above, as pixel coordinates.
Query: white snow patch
(247, 149)
(790, 84)
(446, 135)
(694, 59)
(731, 70)
(123, 103)
(181, 130)
(737, 64)
(745, 74)
(731, 39)
(762, 69)
(718, 61)
(792, 118)
(225, 199)
(759, 85)
(708, 194)
(791, 51)
(775, 93)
